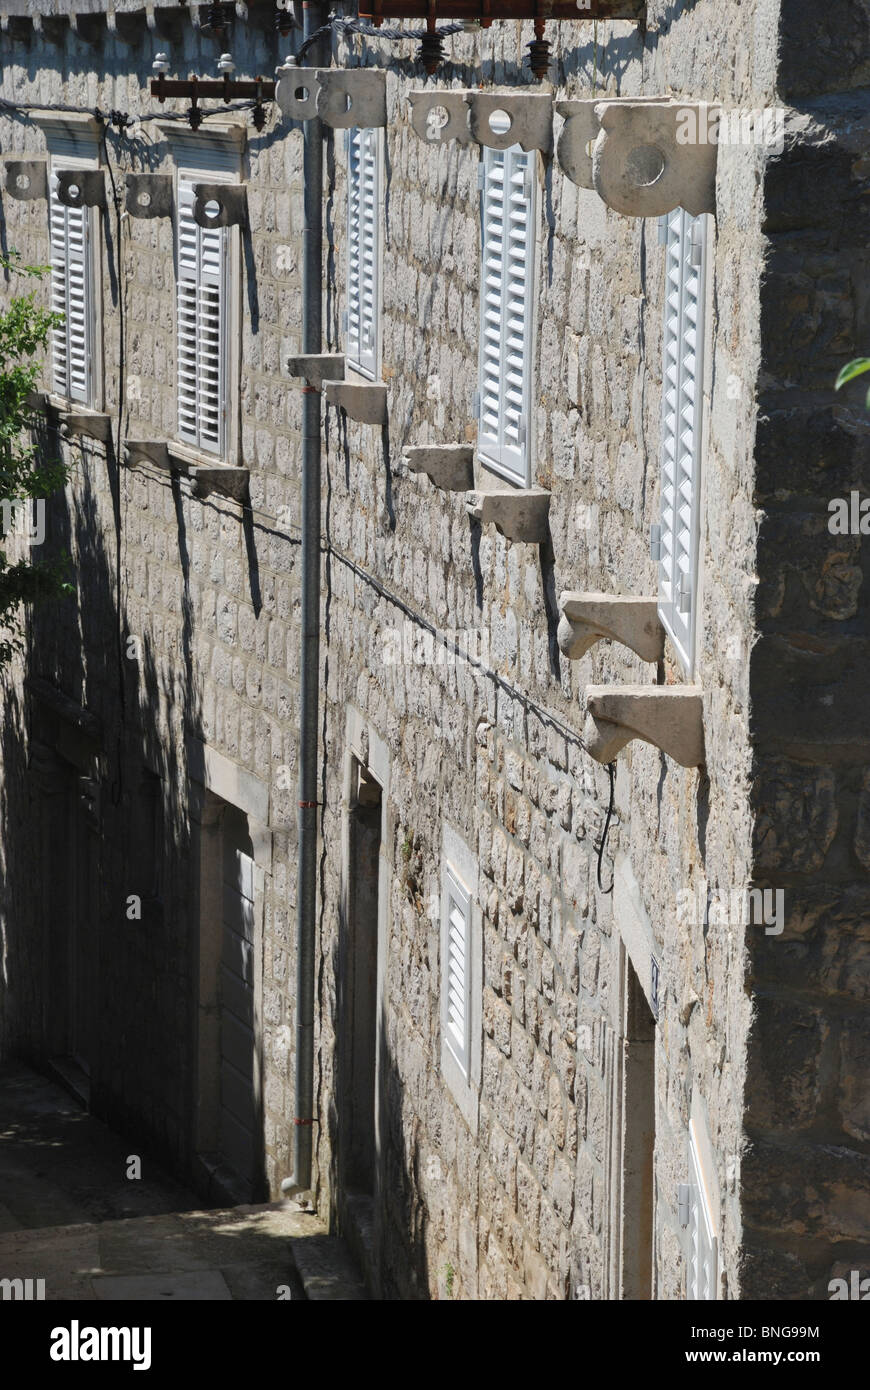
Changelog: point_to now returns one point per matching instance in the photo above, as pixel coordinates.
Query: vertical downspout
(306, 889)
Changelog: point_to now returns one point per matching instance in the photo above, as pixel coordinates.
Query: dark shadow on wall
(98, 913)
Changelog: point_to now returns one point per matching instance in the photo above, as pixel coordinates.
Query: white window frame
(209, 162)
(63, 383)
(702, 1256)
(510, 457)
(682, 424)
(365, 154)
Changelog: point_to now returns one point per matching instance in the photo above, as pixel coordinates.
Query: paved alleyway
(71, 1216)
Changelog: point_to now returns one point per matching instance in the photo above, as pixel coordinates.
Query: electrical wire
(360, 26)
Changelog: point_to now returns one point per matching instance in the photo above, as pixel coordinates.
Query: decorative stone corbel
(520, 514)
(93, 423)
(52, 28)
(671, 717)
(153, 451)
(316, 368)
(230, 482)
(649, 155)
(454, 128)
(17, 27)
(25, 178)
(232, 200)
(128, 26)
(342, 97)
(531, 120)
(88, 27)
(81, 188)
(365, 402)
(149, 195)
(470, 113)
(166, 22)
(586, 618)
(448, 466)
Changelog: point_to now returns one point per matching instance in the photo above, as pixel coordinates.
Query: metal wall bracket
(518, 514)
(648, 154)
(232, 200)
(423, 104)
(81, 188)
(149, 195)
(25, 178)
(585, 619)
(448, 466)
(531, 120)
(671, 717)
(342, 97)
(94, 424)
(151, 451)
(365, 402)
(316, 368)
(470, 113)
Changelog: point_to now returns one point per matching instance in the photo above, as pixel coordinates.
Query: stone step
(263, 1252)
(327, 1270)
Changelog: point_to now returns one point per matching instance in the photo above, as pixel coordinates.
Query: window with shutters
(202, 353)
(682, 395)
(363, 250)
(702, 1273)
(456, 969)
(73, 291)
(508, 240)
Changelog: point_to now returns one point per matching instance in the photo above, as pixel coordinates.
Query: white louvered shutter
(682, 389)
(702, 1275)
(72, 296)
(202, 317)
(457, 970)
(363, 213)
(507, 260)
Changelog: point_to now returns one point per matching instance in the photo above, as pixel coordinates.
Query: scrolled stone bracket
(93, 423)
(585, 619)
(469, 118)
(25, 179)
(81, 188)
(649, 155)
(149, 195)
(449, 466)
(340, 97)
(365, 401)
(670, 717)
(232, 200)
(315, 368)
(519, 514)
(153, 451)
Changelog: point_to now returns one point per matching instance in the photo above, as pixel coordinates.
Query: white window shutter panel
(201, 326)
(72, 296)
(507, 260)
(363, 213)
(682, 387)
(703, 1273)
(456, 970)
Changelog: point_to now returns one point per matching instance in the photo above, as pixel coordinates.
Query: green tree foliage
(25, 470)
(852, 369)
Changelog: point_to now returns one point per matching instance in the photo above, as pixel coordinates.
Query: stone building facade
(660, 1091)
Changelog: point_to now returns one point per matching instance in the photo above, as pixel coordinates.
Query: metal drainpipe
(306, 889)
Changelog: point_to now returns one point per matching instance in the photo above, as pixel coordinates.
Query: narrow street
(70, 1215)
